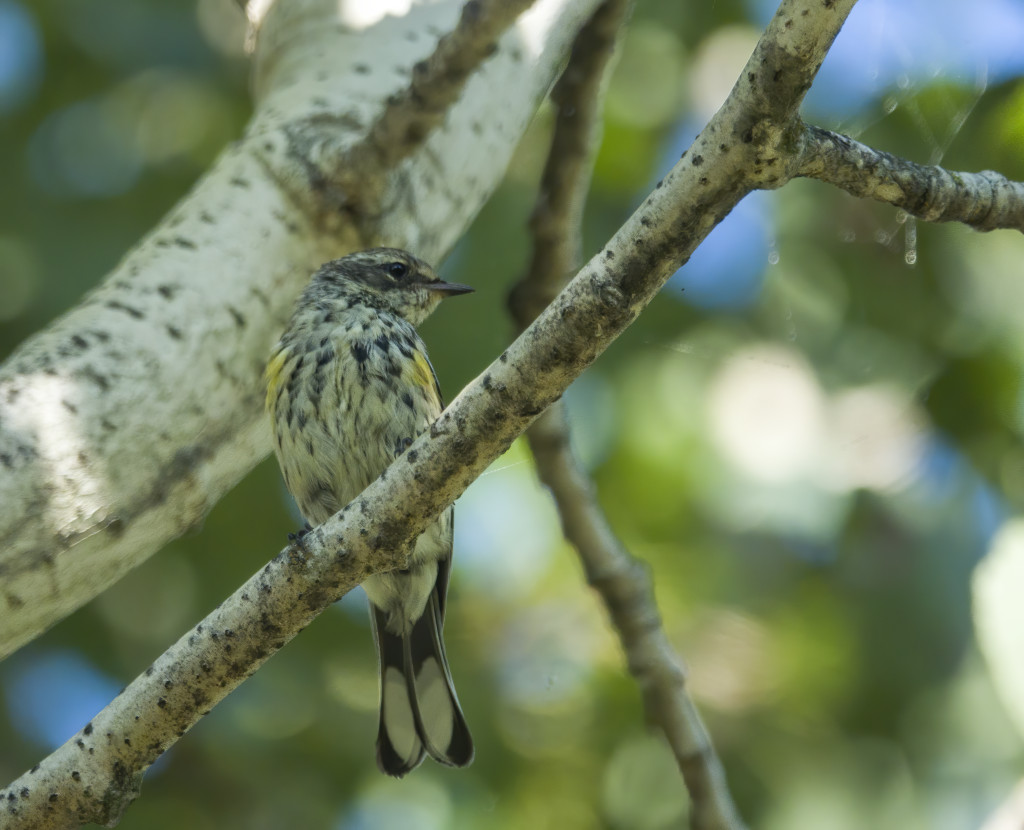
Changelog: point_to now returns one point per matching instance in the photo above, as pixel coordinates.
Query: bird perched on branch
(349, 387)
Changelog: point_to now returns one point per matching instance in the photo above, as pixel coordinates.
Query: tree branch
(621, 580)
(373, 533)
(126, 420)
(557, 215)
(436, 84)
(986, 201)
(624, 585)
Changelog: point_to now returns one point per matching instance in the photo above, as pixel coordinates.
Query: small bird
(349, 387)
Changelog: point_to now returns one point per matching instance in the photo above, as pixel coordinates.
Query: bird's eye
(397, 269)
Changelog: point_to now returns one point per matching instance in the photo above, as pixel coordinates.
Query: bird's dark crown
(379, 269)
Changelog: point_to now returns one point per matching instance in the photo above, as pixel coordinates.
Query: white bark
(125, 421)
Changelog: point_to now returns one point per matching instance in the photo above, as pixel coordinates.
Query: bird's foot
(296, 538)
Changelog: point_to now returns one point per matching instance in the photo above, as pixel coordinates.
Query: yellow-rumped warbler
(349, 387)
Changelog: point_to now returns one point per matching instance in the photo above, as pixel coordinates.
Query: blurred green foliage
(812, 476)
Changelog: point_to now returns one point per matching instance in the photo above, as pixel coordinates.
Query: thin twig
(620, 579)
(556, 218)
(986, 201)
(624, 585)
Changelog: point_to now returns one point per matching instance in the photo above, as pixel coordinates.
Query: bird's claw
(296, 538)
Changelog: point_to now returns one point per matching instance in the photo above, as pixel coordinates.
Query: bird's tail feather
(419, 710)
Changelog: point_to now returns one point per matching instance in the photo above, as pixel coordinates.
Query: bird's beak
(448, 289)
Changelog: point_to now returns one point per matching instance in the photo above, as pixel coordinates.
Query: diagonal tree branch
(986, 201)
(621, 580)
(96, 774)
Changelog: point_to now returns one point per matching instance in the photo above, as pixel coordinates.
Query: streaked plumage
(349, 387)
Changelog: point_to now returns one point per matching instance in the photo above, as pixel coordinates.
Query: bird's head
(390, 279)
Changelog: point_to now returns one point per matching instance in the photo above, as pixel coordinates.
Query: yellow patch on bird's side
(274, 376)
(423, 375)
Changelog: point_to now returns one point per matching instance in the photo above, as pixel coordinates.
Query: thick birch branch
(96, 774)
(620, 580)
(986, 201)
(126, 420)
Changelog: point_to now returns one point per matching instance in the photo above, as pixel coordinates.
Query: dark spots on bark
(127, 309)
(320, 101)
(361, 69)
(411, 456)
(79, 341)
(167, 291)
(476, 128)
(95, 377)
(207, 219)
(645, 221)
(87, 730)
(237, 316)
(53, 797)
(504, 357)
(174, 332)
(70, 407)
(609, 254)
(697, 160)
(182, 242)
(238, 181)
